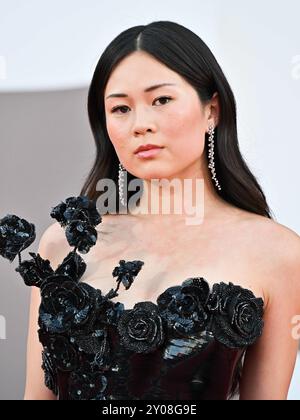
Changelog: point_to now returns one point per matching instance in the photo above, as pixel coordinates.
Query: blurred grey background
(48, 51)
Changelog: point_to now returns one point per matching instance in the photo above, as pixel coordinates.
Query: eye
(124, 106)
(115, 109)
(163, 97)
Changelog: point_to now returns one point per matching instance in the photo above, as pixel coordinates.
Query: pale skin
(229, 245)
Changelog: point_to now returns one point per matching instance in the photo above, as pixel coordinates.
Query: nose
(142, 124)
(141, 130)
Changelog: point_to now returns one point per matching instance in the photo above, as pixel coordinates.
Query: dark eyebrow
(148, 89)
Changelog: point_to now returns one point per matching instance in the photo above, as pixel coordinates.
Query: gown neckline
(211, 287)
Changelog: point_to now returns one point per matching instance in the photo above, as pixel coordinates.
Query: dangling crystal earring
(211, 156)
(122, 171)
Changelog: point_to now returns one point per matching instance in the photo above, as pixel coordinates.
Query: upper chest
(225, 254)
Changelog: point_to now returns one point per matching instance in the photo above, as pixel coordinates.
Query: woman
(249, 289)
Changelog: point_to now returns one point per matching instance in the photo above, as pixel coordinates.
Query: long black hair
(184, 52)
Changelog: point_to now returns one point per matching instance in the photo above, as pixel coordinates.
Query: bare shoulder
(275, 249)
(54, 245)
(55, 234)
(279, 240)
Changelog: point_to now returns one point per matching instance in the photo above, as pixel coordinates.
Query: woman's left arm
(270, 362)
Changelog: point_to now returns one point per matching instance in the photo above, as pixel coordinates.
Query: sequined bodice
(188, 345)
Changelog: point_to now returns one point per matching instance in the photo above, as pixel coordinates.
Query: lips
(145, 154)
(147, 147)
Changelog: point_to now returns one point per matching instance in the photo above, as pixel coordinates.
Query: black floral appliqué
(237, 315)
(66, 305)
(141, 328)
(126, 271)
(34, 271)
(50, 372)
(79, 216)
(184, 307)
(37, 270)
(92, 343)
(73, 266)
(76, 208)
(81, 235)
(16, 234)
(60, 350)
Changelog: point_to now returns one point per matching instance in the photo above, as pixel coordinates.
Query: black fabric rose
(126, 271)
(66, 305)
(16, 234)
(34, 271)
(76, 208)
(141, 328)
(237, 315)
(73, 266)
(37, 270)
(81, 235)
(85, 385)
(59, 349)
(183, 307)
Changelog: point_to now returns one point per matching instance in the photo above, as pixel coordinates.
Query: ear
(213, 110)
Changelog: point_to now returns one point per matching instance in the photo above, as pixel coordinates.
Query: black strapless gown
(189, 345)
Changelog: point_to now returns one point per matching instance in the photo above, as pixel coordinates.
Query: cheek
(116, 132)
(184, 132)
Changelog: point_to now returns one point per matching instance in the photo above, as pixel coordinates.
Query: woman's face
(170, 116)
